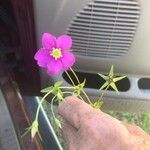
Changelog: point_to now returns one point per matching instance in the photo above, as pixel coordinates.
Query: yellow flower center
(56, 53)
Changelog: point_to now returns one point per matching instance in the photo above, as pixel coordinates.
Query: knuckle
(88, 122)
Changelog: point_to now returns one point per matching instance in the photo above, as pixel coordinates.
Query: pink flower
(55, 55)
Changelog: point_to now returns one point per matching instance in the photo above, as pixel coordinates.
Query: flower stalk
(56, 56)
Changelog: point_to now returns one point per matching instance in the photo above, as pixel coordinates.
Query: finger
(72, 109)
(70, 135)
(133, 129)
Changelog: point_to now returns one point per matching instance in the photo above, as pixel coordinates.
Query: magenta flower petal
(55, 55)
(48, 41)
(43, 57)
(54, 67)
(68, 60)
(64, 42)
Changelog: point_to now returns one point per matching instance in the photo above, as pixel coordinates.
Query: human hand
(86, 128)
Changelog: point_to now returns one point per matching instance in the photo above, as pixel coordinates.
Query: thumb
(70, 135)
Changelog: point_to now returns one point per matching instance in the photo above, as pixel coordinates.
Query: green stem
(86, 97)
(70, 78)
(40, 104)
(72, 81)
(81, 97)
(103, 93)
(63, 87)
(82, 89)
(67, 92)
(28, 130)
(75, 75)
(52, 101)
(71, 93)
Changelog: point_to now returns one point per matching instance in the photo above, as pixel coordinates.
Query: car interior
(104, 33)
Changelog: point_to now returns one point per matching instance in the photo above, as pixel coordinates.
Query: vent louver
(105, 28)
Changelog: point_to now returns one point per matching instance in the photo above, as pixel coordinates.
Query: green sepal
(104, 85)
(97, 104)
(111, 72)
(57, 91)
(58, 84)
(113, 85)
(46, 90)
(110, 80)
(118, 78)
(34, 128)
(58, 123)
(59, 95)
(103, 76)
(54, 90)
(79, 88)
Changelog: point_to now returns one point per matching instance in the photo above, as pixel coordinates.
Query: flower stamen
(56, 53)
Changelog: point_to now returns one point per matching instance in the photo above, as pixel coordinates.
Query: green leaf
(58, 83)
(111, 72)
(104, 85)
(112, 84)
(98, 104)
(103, 76)
(118, 78)
(46, 90)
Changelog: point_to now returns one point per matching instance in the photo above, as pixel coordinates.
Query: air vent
(105, 28)
(91, 79)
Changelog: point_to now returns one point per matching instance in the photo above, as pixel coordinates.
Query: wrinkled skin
(86, 128)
